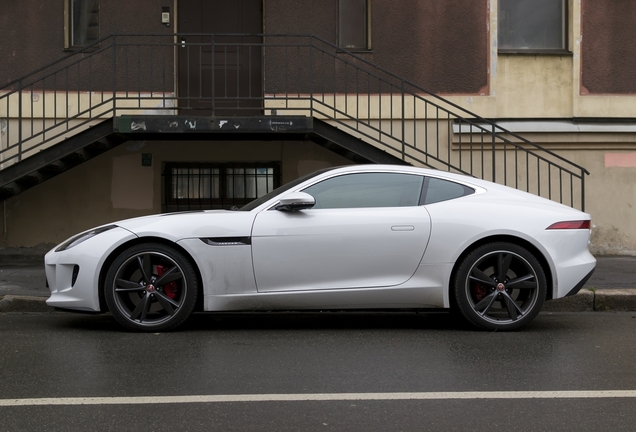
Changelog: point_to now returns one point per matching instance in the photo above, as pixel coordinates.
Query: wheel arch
(141, 240)
(507, 239)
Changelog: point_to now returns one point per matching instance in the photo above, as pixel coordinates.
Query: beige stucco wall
(534, 86)
(611, 195)
(610, 189)
(115, 186)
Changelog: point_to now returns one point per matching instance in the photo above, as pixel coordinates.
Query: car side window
(437, 190)
(367, 190)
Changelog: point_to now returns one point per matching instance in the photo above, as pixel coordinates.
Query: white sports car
(358, 237)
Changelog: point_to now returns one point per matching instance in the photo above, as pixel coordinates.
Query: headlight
(75, 240)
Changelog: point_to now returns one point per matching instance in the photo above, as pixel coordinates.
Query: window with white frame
(532, 26)
(82, 23)
(353, 25)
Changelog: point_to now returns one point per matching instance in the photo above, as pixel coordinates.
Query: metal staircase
(126, 87)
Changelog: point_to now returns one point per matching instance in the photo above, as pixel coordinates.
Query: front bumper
(80, 292)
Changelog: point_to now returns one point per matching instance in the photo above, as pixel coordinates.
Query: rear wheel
(500, 286)
(151, 287)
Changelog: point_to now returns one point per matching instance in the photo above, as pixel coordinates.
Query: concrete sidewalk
(612, 287)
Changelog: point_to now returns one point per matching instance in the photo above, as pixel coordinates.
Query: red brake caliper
(170, 289)
(479, 291)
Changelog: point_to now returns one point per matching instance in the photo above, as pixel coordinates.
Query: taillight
(582, 224)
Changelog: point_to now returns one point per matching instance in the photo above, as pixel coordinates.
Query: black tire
(151, 288)
(499, 286)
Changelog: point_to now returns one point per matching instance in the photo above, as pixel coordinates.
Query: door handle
(402, 228)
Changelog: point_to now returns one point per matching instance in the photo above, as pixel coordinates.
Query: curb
(610, 300)
(615, 300)
(594, 300)
(11, 303)
(581, 302)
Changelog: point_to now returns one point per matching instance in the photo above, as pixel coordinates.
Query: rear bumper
(578, 286)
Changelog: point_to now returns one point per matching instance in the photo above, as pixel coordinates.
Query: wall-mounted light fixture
(165, 16)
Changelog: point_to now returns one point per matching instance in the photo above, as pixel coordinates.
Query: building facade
(558, 73)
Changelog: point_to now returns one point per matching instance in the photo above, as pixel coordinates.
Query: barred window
(203, 186)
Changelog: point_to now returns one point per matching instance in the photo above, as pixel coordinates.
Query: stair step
(53, 168)
(75, 158)
(29, 180)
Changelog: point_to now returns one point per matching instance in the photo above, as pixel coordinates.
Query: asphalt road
(357, 367)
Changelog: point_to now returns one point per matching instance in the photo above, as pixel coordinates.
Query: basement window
(205, 186)
(532, 26)
(81, 21)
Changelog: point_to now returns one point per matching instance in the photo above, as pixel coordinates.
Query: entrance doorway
(220, 69)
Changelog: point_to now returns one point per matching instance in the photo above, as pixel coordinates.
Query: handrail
(454, 105)
(302, 74)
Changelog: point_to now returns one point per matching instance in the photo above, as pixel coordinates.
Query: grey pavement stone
(613, 272)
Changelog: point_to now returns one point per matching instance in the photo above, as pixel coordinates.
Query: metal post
(494, 168)
(114, 45)
(213, 84)
(582, 190)
(403, 125)
(20, 120)
(311, 76)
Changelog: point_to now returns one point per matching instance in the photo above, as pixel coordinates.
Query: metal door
(220, 65)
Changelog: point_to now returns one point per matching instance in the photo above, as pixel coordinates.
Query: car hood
(198, 224)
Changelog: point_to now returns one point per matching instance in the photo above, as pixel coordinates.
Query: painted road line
(303, 397)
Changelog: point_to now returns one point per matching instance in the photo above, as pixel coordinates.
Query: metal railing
(221, 75)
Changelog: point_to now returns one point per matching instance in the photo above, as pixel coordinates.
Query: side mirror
(296, 201)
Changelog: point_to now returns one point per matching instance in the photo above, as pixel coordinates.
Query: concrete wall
(115, 186)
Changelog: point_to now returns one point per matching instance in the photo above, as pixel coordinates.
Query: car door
(365, 230)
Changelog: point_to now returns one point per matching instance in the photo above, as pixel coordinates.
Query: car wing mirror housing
(296, 201)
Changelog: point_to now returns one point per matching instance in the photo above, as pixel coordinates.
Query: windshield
(258, 201)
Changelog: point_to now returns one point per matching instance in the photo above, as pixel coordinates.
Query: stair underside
(110, 133)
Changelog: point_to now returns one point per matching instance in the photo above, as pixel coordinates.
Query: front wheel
(500, 286)
(151, 287)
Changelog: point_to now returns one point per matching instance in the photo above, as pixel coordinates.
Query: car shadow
(211, 321)
(326, 320)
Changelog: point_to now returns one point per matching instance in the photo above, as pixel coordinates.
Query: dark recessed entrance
(220, 74)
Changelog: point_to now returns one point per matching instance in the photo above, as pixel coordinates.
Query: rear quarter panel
(458, 224)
